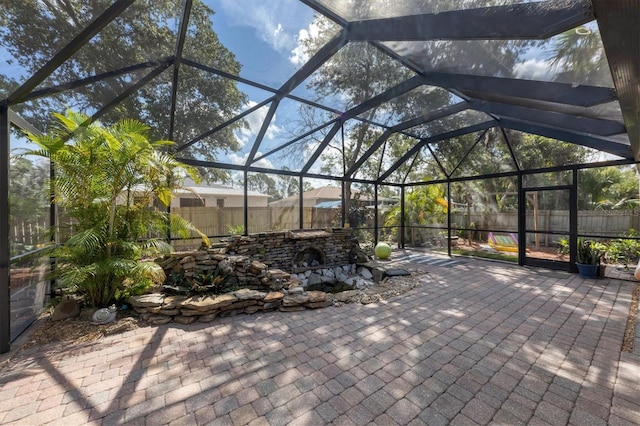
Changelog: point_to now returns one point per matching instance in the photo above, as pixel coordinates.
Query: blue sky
(264, 36)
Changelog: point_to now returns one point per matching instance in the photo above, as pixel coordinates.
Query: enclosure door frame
(572, 232)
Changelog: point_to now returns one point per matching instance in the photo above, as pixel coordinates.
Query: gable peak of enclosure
(371, 91)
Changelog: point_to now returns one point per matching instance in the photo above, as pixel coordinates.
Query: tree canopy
(32, 31)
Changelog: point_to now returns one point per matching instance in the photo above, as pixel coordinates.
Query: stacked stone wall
(278, 249)
(262, 264)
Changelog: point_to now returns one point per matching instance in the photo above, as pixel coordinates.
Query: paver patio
(477, 343)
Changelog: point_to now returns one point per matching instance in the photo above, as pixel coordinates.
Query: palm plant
(106, 180)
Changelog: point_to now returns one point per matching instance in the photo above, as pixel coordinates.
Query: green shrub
(106, 180)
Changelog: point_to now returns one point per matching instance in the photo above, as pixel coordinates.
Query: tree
(424, 205)
(28, 190)
(106, 180)
(356, 73)
(262, 183)
(578, 57)
(608, 188)
(360, 71)
(492, 155)
(32, 31)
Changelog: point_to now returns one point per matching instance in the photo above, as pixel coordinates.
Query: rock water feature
(322, 262)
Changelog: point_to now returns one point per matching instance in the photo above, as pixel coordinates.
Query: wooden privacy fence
(28, 233)
(224, 220)
(215, 221)
(609, 222)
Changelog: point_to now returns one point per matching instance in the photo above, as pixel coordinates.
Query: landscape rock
(231, 313)
(271, 306)
(207, 303)
(316, 296)
(256, 268)
(296, 290)
(147, 300)
(185, 320)
(365, 273)
(68, 308)
(314, 279)
(173, 302)
(248, 294)
(295, 299)
(239, 305)
(207, 318)
(158, 319)
(291, 308)
(343, 296)
(194, 312)
(273, 296)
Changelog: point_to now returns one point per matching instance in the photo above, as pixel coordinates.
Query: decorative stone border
(160, 309)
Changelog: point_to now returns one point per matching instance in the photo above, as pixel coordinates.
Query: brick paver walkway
(476, 343)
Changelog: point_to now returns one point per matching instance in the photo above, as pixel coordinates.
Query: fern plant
(106, 180)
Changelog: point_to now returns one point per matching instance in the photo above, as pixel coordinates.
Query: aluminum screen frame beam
(297, 139)
(5, 255)
(263, 130)
(182, 35)
(67, 51)
(618, 24)
(528, 21)
(448, 135)
(562, 93)
(316, 61)
(549, 118)
(52, 90)
(254, 169)
(386, 96)
(431, 116)
(225, 124)
(22, 123)
(590, 141)
(375, 101)
(130, 90)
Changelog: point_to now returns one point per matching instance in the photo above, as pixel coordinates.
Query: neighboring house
(311, 198)
(215, 195)
(326, 197)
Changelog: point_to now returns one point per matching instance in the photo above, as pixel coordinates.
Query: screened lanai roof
(354, 90)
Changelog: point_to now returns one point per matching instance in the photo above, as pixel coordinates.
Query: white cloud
(534, 69)
(298, 55)
(254, 121)
(269, 19)
(242, 159)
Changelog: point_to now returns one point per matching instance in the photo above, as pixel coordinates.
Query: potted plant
(588, 259)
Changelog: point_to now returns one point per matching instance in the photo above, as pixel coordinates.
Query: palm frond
(150, 270)
(183, 228)
(88, 240)
(156, 246)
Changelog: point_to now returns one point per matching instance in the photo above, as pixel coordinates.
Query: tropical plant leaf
(106, 179)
